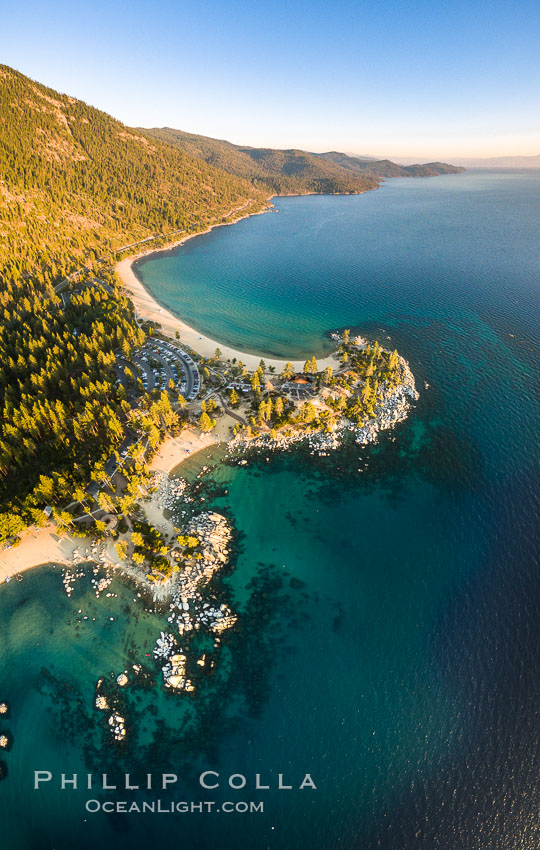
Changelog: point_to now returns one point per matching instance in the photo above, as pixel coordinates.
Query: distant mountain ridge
(74, 180)
(509, 161)
(289, 171)
(502, 162)
(277, 171)
(387, 168)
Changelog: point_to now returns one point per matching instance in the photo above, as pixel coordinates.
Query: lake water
(388, 597)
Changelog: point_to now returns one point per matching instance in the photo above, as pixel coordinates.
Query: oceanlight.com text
(162, 807)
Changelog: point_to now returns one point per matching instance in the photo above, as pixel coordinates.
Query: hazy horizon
(418, 81)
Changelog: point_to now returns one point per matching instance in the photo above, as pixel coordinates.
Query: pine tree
(206, 424)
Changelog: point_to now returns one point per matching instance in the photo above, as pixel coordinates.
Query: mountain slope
(277, 171)
(288, 171)
(387, 168)
(73, 178)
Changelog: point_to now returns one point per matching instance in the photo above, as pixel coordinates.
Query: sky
(420, 80)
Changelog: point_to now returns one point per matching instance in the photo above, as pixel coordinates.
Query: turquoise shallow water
(388, 597)
(415, 249)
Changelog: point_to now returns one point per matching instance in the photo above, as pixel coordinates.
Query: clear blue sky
(386, 77)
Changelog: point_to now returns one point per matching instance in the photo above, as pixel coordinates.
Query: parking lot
(158, 363)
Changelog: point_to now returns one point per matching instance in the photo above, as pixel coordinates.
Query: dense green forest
(72, 179)
(61, 412)
(277, 172)
(75, 185)
(290, 171)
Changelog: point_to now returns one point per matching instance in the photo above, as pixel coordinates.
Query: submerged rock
(117, 722)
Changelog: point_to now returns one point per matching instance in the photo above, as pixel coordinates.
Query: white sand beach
(45, 546)
(173, 450)
(37, 547)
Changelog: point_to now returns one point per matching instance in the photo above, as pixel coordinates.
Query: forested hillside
(72, 178)
(62, 414)
(387, 168)
(74, 185)
(276, 171)
(289, 171)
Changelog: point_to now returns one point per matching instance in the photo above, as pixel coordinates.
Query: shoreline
(147, 307)
(44, 546)
(175, 450)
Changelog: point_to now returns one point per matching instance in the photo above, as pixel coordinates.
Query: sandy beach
(45, 546)
(38, 547)
(173, 450)
(148, 308)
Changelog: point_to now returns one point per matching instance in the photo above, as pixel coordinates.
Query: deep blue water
(388, 597)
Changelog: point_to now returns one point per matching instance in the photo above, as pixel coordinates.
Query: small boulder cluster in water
(6, 738)
(69, 579)
(188, 609)
(108, 702)
(174, 669)
(118, 725)
(99, 582)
